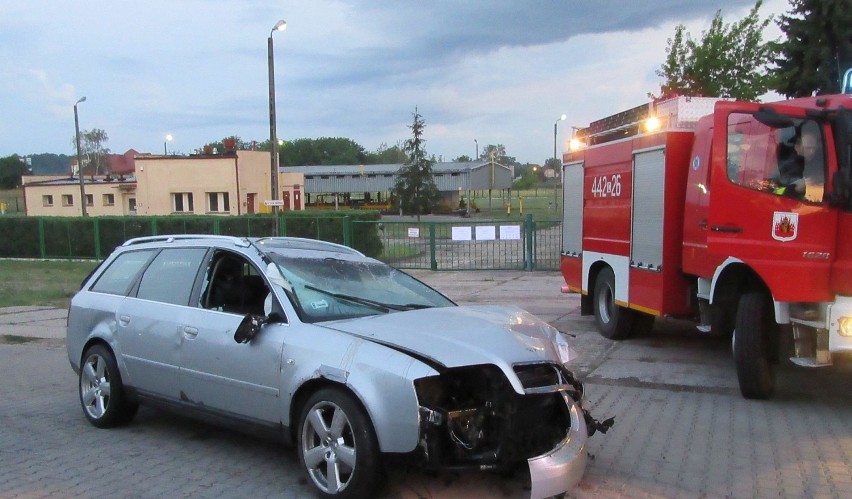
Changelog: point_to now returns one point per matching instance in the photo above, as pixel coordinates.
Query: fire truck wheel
(614, 322)
(752, 344)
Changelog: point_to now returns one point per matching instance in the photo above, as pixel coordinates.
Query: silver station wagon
(348, 359)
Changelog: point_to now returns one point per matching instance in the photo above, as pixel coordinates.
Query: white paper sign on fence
(510, 232)
(461, 234)
(486, 233)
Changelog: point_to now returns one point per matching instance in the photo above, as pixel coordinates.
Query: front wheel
(753, 346)
(101, 391)
(337, 445)
(614, 322)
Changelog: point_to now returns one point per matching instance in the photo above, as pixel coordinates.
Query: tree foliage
(499, 153)
(730, 60)
(322, 151)
(11, 169)
(818, 47)
(93, 151)
(415, 188)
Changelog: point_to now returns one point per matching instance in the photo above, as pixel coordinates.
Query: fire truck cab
(737, 215)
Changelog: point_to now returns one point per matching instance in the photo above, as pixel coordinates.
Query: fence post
(529, 234)
(41, 249)
(347, 231)
(97, 234)
(433, 258)
(154, 226)
(216, 229)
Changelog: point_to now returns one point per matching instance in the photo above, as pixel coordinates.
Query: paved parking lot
(682, 430)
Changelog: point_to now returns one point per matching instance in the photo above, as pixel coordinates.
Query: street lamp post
(561, 118)
(273, 139)
(169, 138)
(477, 150)
(79, 157)
(556, 161)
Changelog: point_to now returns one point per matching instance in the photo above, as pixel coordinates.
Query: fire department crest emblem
(785, 226)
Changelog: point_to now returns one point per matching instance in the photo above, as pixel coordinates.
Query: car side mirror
(248, 328)
(251, 324)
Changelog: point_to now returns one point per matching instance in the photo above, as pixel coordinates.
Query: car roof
(265, 244)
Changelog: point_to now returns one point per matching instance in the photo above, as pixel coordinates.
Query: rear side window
(119, 276)
(170, 276)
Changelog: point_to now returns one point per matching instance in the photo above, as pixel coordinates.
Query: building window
(90, 199)
(67, 200)
(47, 200)
(131, 205)
(182, 202)
(109, 199)
(218, 202)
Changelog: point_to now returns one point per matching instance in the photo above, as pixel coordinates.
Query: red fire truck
(737, 215)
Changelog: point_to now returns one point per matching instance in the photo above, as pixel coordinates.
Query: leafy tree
(50, 164)
(730, 60)
(11, 169)
(464, 158)
(818, 47)
(322, 151)
(415, 187)
(93, 151)
(499, 152)
(385, 155)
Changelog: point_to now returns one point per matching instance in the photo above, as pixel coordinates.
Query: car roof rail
(309, 244)
(168, 238)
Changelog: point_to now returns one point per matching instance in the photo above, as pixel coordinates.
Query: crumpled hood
(459, 336)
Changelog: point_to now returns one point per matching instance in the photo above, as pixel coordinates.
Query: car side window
(232, 284)
(170, 276)
(119, 276)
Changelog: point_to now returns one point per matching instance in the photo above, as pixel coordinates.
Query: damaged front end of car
(472, 417)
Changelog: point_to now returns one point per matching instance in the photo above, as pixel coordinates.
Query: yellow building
(231, 184)
(60, 196)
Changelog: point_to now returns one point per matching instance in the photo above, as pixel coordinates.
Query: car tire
(614, 322)
(101, 391)
(337, 445)
(752, 344)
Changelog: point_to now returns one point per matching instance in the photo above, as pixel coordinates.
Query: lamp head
(280, 26)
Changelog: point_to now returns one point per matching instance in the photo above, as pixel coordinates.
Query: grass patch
(37, 282)
(392, 251)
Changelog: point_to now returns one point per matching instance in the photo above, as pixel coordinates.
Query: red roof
(122, 164)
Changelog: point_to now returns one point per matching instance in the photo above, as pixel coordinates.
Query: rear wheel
(614, 322)
(101, 391)
(753, 346)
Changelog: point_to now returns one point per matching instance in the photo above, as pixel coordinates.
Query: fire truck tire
(752, 343)
(614, 322)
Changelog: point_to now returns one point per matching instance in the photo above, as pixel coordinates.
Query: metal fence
(526, 244)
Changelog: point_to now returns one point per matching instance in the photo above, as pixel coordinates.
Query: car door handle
(190, 332)
(731, 229)
(124, 320)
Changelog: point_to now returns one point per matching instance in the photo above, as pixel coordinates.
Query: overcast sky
(497, 71)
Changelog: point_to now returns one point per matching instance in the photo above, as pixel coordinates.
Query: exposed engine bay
(472, 417)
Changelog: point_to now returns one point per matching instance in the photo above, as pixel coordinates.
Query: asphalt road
(682, 429)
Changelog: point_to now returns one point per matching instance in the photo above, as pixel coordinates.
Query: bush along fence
(96, 237)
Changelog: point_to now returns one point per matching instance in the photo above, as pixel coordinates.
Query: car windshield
(332, 288)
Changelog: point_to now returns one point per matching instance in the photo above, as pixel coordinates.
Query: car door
(788, 239)
(149, 321)
(217, 372)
